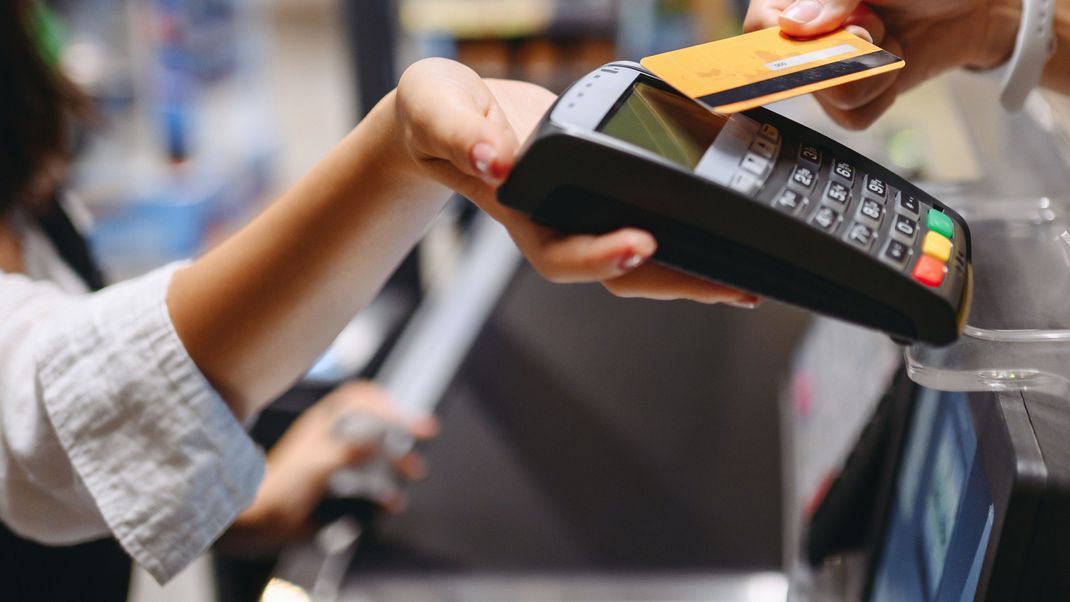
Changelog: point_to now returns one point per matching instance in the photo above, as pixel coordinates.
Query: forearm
(257, 310)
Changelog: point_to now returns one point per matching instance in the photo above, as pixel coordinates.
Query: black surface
(69, 243)
(1046, 570)
(646, 439)
(98, 570)
(853, 511)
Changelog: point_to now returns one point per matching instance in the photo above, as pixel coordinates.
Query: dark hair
(36, 107)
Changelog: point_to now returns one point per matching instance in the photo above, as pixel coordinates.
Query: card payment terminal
(752, 200)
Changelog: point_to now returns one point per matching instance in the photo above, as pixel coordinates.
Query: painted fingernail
(803, 12)
(483, 156)
(631, 261)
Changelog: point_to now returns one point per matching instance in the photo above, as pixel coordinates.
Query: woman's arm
(256, 311)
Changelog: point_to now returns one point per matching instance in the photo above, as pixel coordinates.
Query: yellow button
(937, 247)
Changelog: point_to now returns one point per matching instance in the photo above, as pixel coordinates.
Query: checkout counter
(941, 473)
(904, 474)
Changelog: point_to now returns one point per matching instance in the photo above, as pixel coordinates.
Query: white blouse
(107, 427)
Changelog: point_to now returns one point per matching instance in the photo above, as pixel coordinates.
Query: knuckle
(546, 270)
(857, 120)
(848, 97)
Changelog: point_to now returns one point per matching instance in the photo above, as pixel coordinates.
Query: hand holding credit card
(754, 69)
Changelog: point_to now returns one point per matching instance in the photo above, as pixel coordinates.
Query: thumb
(455, 118)
(808, 18)
(476, 138)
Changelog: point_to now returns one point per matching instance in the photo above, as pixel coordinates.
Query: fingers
(764, 13)
(807, 18)
(411, 467)
(866, 24)
(661, 283)
(588, 258)
(857, 105)
(363, 413)
(452, 115)
(856, 95)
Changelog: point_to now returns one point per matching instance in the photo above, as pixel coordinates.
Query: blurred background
(643, 441)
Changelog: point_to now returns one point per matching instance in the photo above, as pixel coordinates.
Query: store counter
(944, 473)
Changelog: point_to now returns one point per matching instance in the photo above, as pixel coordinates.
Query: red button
(929, 271)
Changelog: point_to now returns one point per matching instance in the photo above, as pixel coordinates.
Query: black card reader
(752, 200)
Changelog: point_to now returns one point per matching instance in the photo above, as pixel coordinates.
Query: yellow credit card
(754, 69)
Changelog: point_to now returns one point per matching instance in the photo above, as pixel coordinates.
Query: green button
(938, 222)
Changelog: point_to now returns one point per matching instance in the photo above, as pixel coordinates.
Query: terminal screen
(664, 123)
(942, 512)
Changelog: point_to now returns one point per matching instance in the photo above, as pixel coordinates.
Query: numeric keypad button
(745, 183)
(764, 147)
(769, 131)
(804, 176)
(810, 154)
(908, 205)
(789, 201)
(755, 164)
(861, 236)
(896, 253)
(826, 218)
(876, 188)
(905, 229)
(843, 170)
(871, 211)
(839, 193)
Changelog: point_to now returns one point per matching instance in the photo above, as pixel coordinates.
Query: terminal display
(665, 124)
(940, 521)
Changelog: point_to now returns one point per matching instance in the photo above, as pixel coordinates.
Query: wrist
(1001, 20)
(393, 155)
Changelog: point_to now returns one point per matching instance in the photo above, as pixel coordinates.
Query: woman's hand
(933, 37)
(466, 133)
(300, 464)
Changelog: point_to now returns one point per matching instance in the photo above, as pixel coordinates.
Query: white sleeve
(107, 425)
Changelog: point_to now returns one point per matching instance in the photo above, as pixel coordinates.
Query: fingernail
(860, 32)
(631, 261)
(745, 303)
(803, 11)
(483, 156)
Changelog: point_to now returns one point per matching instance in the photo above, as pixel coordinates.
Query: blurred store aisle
(308, 79)
(311, 104)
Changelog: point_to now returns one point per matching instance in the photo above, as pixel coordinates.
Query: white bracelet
(1033, 47)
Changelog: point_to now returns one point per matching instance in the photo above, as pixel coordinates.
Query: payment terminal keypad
(862, 209)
